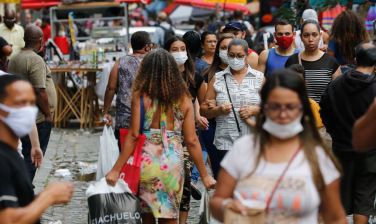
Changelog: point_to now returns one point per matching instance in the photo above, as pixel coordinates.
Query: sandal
(195, 192)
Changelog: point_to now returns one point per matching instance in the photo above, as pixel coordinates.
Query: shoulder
(293, 59)
(330, 59)
(255, 72)
(19, 28)
(264, 54)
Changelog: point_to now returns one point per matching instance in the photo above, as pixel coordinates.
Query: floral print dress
(162, 165)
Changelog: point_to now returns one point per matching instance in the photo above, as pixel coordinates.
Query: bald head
(162, 16)
(9, 13)
(33, 36)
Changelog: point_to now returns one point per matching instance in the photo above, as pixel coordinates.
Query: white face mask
(223, 56)
(236, 64)
(283, 131)
(20, 120)
(180, 57)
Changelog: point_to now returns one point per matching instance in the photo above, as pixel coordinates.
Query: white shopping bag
(204, 208)
(108, 152)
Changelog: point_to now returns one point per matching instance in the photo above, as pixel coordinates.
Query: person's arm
(337, 73)
(253, 59)
(331, 50)
(364, 130)
(325, 38)
(130, 141)
(36, 153)
(7, 50)
(325, 110)
(331, 207)
(202, 121)
(192, 143)
(42, 103)
(55, 193)
(215, 111)
(110, 92)
(261, 65)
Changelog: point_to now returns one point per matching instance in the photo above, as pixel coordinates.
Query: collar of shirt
(5, 28)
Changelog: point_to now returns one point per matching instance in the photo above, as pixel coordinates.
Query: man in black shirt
(17, 117)
(5, 51)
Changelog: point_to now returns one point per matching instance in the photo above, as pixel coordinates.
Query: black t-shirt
(318, 73)
(206, 76)
(194, 89)
(3, 43)
(15, 185)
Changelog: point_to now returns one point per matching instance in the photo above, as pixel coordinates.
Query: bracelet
(105, 112)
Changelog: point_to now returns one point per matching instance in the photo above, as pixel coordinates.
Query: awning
(209, 5)
(38, 4)
(169, 9)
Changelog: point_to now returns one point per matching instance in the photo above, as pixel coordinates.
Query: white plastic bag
(204, 208)
(115, 205)
(108, 152)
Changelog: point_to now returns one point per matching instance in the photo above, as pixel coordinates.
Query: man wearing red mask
(276, 58)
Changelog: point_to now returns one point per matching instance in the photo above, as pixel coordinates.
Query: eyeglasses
(150, 45)
(232, 56)
(10, 20)
(276, 111)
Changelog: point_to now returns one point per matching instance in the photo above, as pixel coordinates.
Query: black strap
(142, 118)
(232, 106)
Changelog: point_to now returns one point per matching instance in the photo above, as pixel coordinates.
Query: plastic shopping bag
(115, 205)
(108, 152)
(204, 208)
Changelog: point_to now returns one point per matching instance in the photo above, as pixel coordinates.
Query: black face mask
(9, 23)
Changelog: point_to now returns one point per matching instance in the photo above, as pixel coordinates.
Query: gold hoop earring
(306, 118)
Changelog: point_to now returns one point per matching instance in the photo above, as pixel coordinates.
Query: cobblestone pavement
(66, 148)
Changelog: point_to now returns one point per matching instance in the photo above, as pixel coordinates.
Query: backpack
(167, 33)
(248, 36)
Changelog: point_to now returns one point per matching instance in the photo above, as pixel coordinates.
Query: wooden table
(79, 103)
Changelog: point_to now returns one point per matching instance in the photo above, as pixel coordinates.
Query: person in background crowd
(345, 100)
(169, 116)
(348, 30)
(286, 146)
(199, 26)
(208, 43)
(220, 31)
(220, 63)
(275, 58)
(121, 79)
(12, 33)
(27, 19)
(5, 51)
(270, 40)
(46, 28)
(235, 91)
(193, 42)
(163, 31)
(324, 39)
(18, 18)
(214, 23)
(314, 105)
(28, 64)
(364, 130)
(177, 47)
(17, 117)
(236, 28)
(319, 66)
(247, 27)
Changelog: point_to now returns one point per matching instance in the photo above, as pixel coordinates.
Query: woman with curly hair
(348, 30)
(161, 90)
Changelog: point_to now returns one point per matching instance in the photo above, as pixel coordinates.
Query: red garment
(250, 51)
(46, 34)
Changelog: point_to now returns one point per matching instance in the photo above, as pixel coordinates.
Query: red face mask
(284, 42)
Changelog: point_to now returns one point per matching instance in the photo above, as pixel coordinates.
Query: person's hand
(237, 206)
(323, 47)
(36, 155)
(59, 192)
(226, 108)
(250, 122)
(209, 182)
(108, 121)
(112, 177)
(247, 111)
(211, 103)
(203, 123)
(48, 117)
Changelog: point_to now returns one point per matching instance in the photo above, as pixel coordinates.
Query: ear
(243, 35)
(294, 34)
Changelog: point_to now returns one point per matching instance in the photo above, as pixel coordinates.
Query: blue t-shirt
(333, 46)
(200, 65)
(276, 61)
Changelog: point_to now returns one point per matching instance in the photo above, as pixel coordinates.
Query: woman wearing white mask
(177, 47)
(284, 165)
(233, 98)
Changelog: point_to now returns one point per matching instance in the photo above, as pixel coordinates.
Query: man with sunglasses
(120, 81)
(28, 64)
(11, 32)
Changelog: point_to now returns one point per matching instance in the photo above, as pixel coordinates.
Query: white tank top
(299, 44)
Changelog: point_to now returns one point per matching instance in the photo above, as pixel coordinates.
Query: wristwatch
(105, 112)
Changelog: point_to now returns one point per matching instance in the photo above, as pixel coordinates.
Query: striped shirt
(247, 93)
(318, 73)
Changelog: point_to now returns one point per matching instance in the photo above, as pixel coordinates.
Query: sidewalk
(66, 148)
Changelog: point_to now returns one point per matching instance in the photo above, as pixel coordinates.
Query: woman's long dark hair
(193, 40)
(211, 70)
(188, 65)
(159, 77)
(348, 30)
(309, 137)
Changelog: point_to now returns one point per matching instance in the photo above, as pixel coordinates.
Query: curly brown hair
(159, 78)
(348, 30)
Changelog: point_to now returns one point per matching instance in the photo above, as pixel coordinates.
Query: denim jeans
(44, 133)
(195, 174)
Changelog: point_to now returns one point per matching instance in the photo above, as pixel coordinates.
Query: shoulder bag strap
(142, 118)
(280, 178)
(232, 106)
